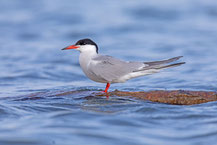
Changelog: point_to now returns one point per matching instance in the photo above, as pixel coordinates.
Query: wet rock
(176, 97)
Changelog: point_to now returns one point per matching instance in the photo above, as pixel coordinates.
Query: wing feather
(110, 68)
(163, 61)
(160, 64)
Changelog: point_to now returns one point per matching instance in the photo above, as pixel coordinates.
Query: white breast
(85, 59)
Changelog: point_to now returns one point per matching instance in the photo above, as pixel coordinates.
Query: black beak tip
(63, 49)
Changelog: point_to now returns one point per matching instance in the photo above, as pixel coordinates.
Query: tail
(155, 66)
(163, 61)
(170, 65)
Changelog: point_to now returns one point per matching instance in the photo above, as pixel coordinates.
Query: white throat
(87, 52)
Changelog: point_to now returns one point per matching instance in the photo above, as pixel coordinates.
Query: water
(46, 99)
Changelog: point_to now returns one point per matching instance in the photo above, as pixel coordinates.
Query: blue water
(45, 99)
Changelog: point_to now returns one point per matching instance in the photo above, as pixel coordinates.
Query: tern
(107, 69)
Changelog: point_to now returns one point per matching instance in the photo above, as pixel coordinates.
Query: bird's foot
(101, 93)
(104, 93)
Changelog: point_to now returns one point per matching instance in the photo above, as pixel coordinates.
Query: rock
(176, 97)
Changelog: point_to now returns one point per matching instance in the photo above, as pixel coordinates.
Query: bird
(107, 69)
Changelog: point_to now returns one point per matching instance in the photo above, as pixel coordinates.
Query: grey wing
(110, 68)
(163, 61)
(161, 64)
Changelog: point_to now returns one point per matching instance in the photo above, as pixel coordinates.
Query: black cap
(86, 42)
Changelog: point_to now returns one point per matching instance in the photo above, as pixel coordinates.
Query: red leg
(107, 87)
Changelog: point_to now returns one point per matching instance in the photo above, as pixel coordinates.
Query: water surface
(36, 76)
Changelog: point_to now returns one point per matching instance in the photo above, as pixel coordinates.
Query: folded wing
(110, 68)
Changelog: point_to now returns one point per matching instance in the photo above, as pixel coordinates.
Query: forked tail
(170, 65)
(156, 65)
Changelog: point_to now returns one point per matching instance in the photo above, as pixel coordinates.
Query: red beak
(70, 47)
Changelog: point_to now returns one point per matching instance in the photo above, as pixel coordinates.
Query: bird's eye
(82, 43)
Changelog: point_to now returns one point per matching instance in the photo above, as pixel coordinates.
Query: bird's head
(84, 45)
